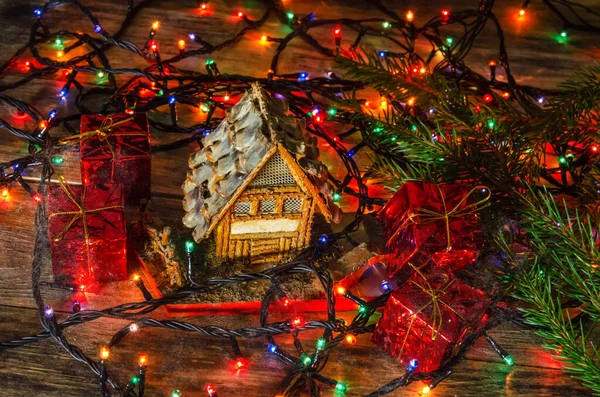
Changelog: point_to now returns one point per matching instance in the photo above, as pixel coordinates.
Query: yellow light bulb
(104, 353)
(522, 13)
(60, 54)
(155, 25)
(425, 390)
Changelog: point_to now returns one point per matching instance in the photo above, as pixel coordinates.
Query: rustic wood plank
(189, 362)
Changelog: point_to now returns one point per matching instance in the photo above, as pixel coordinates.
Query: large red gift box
(428, 316)
(438, 221)
(87, 233)
(116, 149)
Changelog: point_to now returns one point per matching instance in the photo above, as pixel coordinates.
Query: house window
(241, 207)
(293, 205)
(267, 206)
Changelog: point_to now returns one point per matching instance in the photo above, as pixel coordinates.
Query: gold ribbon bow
(437, 319)
(427, 216)
(103, 134)
(80, 213)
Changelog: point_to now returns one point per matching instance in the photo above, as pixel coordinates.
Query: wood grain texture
(189, 362)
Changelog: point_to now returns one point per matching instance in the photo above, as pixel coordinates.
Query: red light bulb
(594, 149)
(445, 12)
(153, 46)
(203, 6)
(338, 32)
(487, 98)
(492, 63)
(37, 198)
(240, 364)
(240, 15)
(211, 390)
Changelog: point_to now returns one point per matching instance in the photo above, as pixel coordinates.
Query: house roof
(232, 155)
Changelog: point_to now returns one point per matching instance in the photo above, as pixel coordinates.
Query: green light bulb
(332, 111)
(414, 127)
(205, 108)
(509, 361)
(306, 360)
(160, 92)
(362, 309)
(336, 197)
(321, 343)
(176, 393)
(449, 40)
(394, 139)
(290, 15)
(562, 160)
(134, 380)
(309, 114)
(58, 42)
(563, 34)
(57, 160)
(210, 61)
(100, 74)
(386, 25)
(189, 246)
(491, 124)
(340, 387)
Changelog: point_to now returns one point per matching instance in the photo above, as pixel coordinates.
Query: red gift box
(427, 317)
(87, 233)
(116, 149)
(439, 221)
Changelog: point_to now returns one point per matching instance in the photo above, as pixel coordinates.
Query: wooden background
(188, 363)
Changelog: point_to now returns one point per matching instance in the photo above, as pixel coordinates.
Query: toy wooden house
(257, 183)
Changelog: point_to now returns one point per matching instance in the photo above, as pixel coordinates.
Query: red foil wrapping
(427, 317)
(116, 149)
(438, 221)
(86, 226)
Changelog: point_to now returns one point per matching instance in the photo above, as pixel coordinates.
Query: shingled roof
(253, 130)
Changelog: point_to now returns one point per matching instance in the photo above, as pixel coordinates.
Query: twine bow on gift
(436, 302)
(80, 214)
(424, 216)
(103, 133)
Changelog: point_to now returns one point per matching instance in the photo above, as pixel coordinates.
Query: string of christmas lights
(163, 83)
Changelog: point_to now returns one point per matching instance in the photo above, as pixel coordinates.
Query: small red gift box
(87, 233)
(439, 221)
(116, 149)
(428, 316)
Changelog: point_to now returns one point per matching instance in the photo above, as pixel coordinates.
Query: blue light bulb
(412, 365)
(303, 76)
(37, 12)
(385, 286)
(382, 53)
(52, 114)
(63, 93)
(323, 239)
(192, 36)
(272, 348)
(172, 99)
(98, 29)
(48, 312)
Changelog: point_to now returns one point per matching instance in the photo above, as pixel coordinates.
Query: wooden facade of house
(271, 217)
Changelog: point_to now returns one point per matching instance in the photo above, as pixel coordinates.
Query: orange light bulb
(104, 353)
(411, 101)
(60, 54)
(136, 277)
(425, 390)
(143, 360)
(4, 192)
(410, 16)
(226, 97)
(340, 290)
(522, 13)
(351, 339)
(492, 63)
(263, 38)
(43, 125)
(181, 44)
(155, 25)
